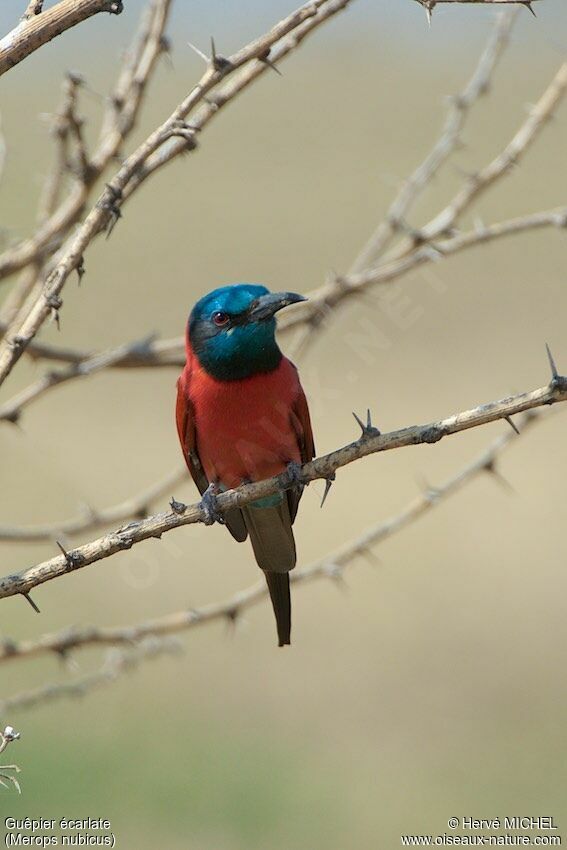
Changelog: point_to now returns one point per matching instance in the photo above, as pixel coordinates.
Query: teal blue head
(232, 330)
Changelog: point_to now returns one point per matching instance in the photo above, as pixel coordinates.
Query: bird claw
(368, 429)
(291, 476)
(209, 505)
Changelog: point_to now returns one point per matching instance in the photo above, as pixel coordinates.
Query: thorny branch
(151, 634)
(370, 442)
(37, 26)
(51, 253)
(116, 663)
(135, 507)
(149, 157)
(416, 247)
(429, 5)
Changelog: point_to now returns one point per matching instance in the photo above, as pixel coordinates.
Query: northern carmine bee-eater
(242, 416)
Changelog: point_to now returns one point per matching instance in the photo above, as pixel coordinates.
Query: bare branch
(11, 411)
(37, 27)
(323, 467)
(322, 300)
(106, 211)
(538, 117)
(171, 352)
(116, 663)
(429, 5)
(331, 566)
(122, 112)
(448, 142)
(134, 507)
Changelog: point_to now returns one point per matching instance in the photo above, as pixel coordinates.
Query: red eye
(220, 319)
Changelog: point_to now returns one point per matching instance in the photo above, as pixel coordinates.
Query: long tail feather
(274, 548)
(278, 585)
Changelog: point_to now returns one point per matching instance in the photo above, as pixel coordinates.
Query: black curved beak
(267, 306)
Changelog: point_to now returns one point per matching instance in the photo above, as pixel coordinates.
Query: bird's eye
(220, 319)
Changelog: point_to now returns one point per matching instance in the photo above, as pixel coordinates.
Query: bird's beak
(268, 305)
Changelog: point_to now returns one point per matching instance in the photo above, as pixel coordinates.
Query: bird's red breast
(243, 430)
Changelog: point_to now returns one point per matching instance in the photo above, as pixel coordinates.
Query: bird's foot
(209, 505)
(291, 477)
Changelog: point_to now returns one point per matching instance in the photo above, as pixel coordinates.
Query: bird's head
(232, 330)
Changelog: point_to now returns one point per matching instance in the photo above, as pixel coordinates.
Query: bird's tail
(278, 585)
(269, 526)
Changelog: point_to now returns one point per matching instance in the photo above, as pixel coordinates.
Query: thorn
(512, 424)
(64, 552)
(529, 6)
(336, 572)
(115, 214)
(219, 63)
(32, 603)
(368, 430)
(371, 556)
(428, 5)
(55, 303)
(110, 203)
(328, 485)
(80, 268)
(165, 44)
(493, 470)
(177, 507)
(198, 52)
(232, 616)
(263, 57)
(554, 372)
(73, 559)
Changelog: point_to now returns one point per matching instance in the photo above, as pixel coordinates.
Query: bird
(242, 416)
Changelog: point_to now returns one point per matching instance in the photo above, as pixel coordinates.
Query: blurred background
(433, 684)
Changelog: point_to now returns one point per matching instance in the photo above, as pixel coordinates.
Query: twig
(116, 663)
(322, 300)
(122, 112)
(323, 467)
(414, 252)
(449, 140)
(134, 507)
(429, 5)
(37, 27)
(12, 410)
(106, 211)
(171, 352)
(538, 117)
(331, 566)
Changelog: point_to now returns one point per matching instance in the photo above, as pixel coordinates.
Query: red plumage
(249, 430)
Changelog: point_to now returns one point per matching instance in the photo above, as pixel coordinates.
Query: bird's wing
(185, 419)
(301, 424)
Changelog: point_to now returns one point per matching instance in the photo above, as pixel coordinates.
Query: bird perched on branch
(242, 416)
